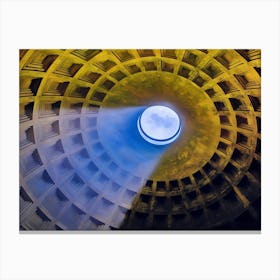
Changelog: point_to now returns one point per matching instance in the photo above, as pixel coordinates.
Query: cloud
(163, 120)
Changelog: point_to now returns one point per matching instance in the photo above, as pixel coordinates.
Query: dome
(140, 139)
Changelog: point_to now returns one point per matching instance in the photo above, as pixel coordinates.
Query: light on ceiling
(159, 125)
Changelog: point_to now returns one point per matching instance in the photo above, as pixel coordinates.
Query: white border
(131, 24)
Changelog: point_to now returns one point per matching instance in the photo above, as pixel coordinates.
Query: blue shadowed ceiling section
(95, 169)
(119, 135)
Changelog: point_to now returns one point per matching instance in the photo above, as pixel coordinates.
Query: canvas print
(140, 139)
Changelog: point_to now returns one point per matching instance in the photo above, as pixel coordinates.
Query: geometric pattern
(71, 180)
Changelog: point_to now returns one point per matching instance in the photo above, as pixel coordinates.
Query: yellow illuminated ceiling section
(91, 156)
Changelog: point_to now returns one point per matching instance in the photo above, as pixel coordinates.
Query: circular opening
(159, 125)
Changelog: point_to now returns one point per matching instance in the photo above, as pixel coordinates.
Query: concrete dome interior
(84, 166)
